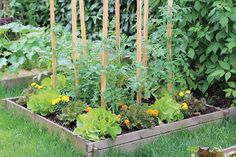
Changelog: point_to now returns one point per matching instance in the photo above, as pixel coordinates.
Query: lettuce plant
(42, 102)
(169, 109)
(97, 124)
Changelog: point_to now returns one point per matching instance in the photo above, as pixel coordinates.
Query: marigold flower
(127, 122)
(33, 84)
(88, 109)
(184, 106)
(65, 98)
(56, 101)
(181, 94)
(153, 112)
(40, 87)
(188, 91)
(124, 107)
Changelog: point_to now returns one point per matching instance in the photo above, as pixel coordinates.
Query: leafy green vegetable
(42, 101)
(97, 124)
(169, 109)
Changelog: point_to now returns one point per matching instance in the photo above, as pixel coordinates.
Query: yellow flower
(153, 112)
(184, 106)
(33, 84)
(36, 86)
(65, 98)
(188, 91)
(40, 87)
(56, 101)
(127, 122)
(88, 109)
(181, 94)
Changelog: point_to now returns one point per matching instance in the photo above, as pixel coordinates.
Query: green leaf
(217, 72)
(191, 53)
(227, 76)
(224, 21)
(232, 84)
(224, 65)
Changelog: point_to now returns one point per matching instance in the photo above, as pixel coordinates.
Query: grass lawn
(22, 138)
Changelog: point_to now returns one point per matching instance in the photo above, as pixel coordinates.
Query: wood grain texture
(169, 46)
(139, 46)
(53, 36)
(83, 26)
(104, 53)
(75, 41)
(117, 14)
(145, 33)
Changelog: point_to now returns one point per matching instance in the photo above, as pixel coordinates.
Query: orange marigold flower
(88, 109)
(127, 122)
(184, 106)
(124, 107)
(155, 113)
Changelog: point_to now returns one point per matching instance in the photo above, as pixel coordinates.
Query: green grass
(218, 134)
(20, 137)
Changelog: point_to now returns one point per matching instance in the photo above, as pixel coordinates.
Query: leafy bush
(97, 124)
(42, 102)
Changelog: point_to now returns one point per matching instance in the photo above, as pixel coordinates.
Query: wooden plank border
(127, 141)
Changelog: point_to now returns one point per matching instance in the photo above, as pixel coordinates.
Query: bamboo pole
(1, 7)
(145, 48)
(8, 10)
(117, 14)
(83, 27)
(53, 35)
(169, 44)
(75, 54)
(139, 46)
(104, 53)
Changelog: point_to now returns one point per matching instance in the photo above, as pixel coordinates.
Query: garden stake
(169, 44)
(117, 13)
(75, 54)
(83, 28)
(1, 8)
(139, 46)
(54, 55)
(145, 33)
(104, 53)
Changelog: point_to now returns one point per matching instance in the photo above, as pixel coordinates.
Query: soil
(72, 126)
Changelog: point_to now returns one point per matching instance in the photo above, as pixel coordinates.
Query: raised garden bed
(11, 80)
(230, 152)
(127, 141)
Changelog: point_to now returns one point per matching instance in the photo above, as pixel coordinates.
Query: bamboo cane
(145, 48)
(53, 35)
(83, 28)
(1, 7)
(139, 45)
(117, 14)
(169, 45)
(8, 10)
(75, 41)
(104, 53)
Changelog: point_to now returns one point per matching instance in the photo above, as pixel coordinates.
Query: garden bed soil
(128, 141)
(23, 76)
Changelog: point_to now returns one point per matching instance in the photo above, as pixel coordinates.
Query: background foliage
(207, 35)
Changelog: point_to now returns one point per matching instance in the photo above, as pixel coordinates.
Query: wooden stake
(104, 53)
(75, 41)
(83, 27)
(1, 7)
(54, 55)
(145, 48)
(117, 14)
(169, 45)
(139, 45)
